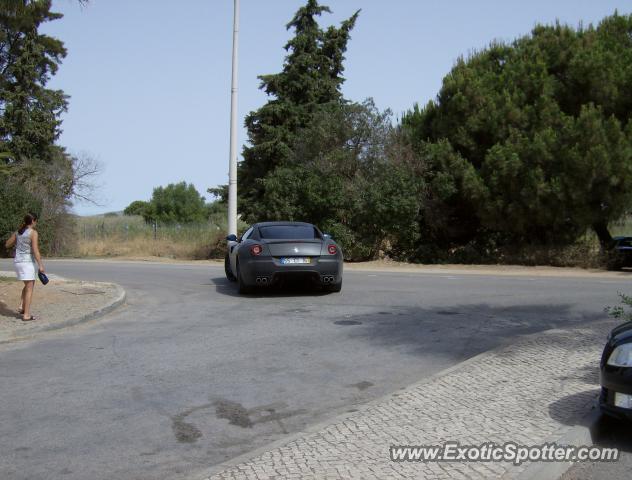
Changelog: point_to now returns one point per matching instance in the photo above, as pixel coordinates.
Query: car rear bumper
(615, 380)
(320, 270)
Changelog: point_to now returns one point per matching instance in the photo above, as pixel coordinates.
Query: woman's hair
(29, 218)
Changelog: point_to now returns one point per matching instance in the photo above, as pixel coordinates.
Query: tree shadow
(458, 331)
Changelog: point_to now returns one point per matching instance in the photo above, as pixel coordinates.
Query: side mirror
(326, 235)
(232, 237)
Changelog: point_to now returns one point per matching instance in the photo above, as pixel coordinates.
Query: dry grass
(123, 236)
(141, 247)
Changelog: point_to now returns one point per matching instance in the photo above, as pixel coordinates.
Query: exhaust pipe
(328, 279)
(258, 280)
(262, 280)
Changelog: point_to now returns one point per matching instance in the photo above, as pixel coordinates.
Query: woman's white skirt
(25, 270)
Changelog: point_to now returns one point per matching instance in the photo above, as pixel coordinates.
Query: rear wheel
(241, 286)
(227, 270)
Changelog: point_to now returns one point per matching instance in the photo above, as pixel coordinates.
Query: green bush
(623, 311)
(16, 202)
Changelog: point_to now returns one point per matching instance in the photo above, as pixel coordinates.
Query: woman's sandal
(29, 319)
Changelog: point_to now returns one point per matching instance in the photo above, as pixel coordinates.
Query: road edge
(117, 301)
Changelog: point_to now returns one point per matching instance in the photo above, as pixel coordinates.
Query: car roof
(281, 224)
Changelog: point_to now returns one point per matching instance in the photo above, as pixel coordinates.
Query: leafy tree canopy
(349, 174)
(30, 159)
(531, 141)
(30, 120)
(175, 203)
(311, 78)
(137, 207)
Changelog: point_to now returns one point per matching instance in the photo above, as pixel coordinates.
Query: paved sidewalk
(531, 392)
(59, 304)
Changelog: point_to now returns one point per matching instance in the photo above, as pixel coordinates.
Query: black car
(621, 254)
(616, 373)
(270, 252)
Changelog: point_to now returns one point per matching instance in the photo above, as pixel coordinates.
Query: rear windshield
(289, 232)
(625, 242)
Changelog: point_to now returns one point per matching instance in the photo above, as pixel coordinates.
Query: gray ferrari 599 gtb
(270, 252)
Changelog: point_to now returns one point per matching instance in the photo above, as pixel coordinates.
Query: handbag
(43, 278)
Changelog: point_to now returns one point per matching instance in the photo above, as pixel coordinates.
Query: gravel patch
(59, 304)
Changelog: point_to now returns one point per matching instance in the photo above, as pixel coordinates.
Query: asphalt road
(189, 374)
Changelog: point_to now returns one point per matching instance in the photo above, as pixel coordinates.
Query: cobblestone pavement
(61, 302)
(530, 392)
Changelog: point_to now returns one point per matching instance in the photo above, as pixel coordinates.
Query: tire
(227, 270)
(335, 288)
(614, 265)
(614, 261)
(242, 288)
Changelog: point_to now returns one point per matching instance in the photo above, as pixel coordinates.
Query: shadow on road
(459, 331)
(295, 288)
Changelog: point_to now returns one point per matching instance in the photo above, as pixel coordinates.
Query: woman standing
(26, 241)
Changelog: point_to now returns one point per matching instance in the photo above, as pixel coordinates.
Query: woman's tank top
(23, 250)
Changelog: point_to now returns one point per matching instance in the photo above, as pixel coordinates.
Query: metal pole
(232, 170)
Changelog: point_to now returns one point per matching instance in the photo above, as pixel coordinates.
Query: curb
(579, 435)
(118, 300)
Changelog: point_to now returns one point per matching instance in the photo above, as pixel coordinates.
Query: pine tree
(531, 142)
(30, 113)
(311, 79)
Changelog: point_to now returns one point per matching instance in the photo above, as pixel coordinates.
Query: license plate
(294, 260)
(622, 400)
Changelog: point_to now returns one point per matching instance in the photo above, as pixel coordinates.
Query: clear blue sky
(149, 80)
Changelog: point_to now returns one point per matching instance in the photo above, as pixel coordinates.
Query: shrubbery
(36, 174)
(527, 147)
(177, 203)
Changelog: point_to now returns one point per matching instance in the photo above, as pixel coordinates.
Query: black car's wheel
(334, 288)
(241, 286)
(227, 270)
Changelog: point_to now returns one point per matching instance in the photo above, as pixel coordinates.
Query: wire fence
(119, 235)
(131, 229)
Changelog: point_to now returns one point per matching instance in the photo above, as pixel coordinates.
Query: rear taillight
(256, 249)
(332, 249)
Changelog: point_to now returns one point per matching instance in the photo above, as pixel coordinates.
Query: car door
(234, 246)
